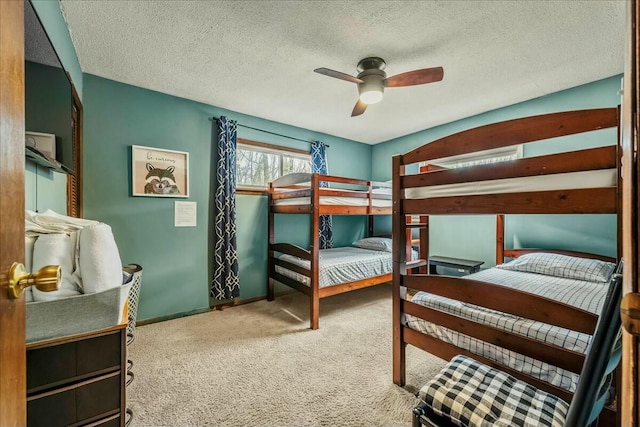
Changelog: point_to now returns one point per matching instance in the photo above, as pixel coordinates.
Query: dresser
(78, 380)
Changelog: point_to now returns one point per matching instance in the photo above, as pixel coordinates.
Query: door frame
(12, 162)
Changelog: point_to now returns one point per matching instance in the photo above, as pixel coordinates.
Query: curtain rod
(273, 133)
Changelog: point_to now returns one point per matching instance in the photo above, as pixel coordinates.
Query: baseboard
(237, 302)
(172, 316)
(221, 306)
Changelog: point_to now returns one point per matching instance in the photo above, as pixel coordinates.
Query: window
(479, 158)
(257, 164)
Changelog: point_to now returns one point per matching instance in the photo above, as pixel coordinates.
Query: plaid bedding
(586, 295)
(342, 265)
(468, 393)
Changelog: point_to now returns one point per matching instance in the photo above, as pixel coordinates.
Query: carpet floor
(259, 365)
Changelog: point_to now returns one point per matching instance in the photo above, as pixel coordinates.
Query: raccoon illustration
(160, 181)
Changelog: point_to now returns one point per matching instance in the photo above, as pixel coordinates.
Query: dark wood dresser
(78, 380)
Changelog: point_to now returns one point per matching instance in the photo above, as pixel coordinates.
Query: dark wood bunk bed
(302, 193)
(562, 198)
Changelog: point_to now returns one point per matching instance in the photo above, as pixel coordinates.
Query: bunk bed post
(271, 241)
(424, 230)
(314, 305)
(370, 218)
(399, 258)
(499, 239)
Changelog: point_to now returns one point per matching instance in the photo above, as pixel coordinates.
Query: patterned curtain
(319, 165)
(225, 284)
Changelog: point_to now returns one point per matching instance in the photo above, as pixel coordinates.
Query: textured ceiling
(257, 57)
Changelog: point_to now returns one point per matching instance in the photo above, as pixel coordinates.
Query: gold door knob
(630, 313)
(46, 279)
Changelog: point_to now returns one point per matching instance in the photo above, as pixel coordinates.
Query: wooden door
(12, 312)
(629, 412)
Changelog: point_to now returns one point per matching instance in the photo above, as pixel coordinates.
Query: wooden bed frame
(296, 186)
(568, 201)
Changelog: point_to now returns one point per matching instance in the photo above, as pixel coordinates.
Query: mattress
(561, 181)
(340, 200)
(588, 296)
(341, 265)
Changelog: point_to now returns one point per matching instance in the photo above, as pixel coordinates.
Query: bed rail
(503, 198)
(296, 194)
(289, 249)
(506, 300)
(574, 161)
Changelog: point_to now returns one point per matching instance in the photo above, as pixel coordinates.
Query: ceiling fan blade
(415, 77)
(337, 75)
(359, 108)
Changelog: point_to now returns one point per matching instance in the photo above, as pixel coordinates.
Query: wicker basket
(134, 295)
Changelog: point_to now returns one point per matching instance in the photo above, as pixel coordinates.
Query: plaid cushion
(591, 270)
(469, 393)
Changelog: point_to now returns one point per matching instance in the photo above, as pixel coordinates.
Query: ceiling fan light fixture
(371, 97)
(372, 79)
(371, 89)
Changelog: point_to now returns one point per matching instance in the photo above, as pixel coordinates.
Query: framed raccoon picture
(157, 172)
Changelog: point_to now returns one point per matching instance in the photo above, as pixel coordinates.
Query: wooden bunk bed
(463, 191)
(298, 268)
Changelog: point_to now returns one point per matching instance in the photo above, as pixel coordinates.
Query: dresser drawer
(87, 401)
(69, 362)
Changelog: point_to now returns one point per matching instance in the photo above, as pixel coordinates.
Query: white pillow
(375, 244)
(591, 270)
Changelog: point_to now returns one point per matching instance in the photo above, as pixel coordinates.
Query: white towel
(51, 217)
(33, 229)
(29, 243)
(75, 252)
(99, 259)
(55, 222)
(55, 249)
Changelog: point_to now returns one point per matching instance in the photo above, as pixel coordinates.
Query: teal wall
(45, 189)
(176, 260)
(473, 237)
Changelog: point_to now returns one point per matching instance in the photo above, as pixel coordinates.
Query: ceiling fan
(372, 80)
